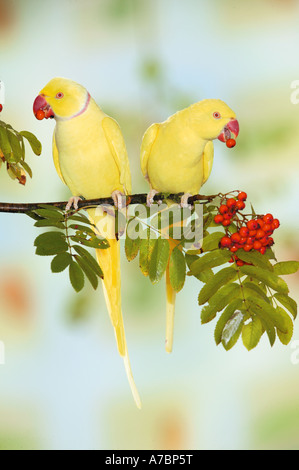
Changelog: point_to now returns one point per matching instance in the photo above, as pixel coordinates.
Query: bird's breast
(85, 159)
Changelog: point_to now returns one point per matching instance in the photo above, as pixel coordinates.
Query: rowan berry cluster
(252, 234)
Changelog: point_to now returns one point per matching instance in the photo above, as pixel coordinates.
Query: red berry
(225, 242)
(1, 107)
(268, 218)
(230, 143)
(235, 237)
(242, 196)
(260, 233)
(227, 216)
(231, 202)
(234, 248)
(262, 250)
(260, 223)
(264, 241)
(270, 241)
(40, 114)
(226, 223)
(218, 218)
(240, 205)
(275, 223)
(244, 232)
(250, 240)
(243, 241)
(252, 225)
(268, 229)
(240, 262)
(252, 233)
(257, 245)
(247, 247)
(223, 209)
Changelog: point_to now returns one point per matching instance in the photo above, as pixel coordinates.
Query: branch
(24, 208)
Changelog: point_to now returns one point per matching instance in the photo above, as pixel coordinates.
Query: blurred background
(63, 385)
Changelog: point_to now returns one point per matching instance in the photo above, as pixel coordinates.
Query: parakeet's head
(61, 98)
(216, 120)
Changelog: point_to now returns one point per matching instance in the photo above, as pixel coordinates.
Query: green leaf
(209, 260)
(267, 277)
(50, 214)
(49, 223)
(90, 274)
(76, 276)
(15, 146)
(252, 332)
(145, 253)
(219, 301)
(92, 242)
(266, 310)
(285, 338)
(132, 247)
(256, 258)
(90, 259)
(252, 289)
(211, 241)
(286, 267)
(82, 228)
(61, 262)
(177, 269)
(265, 320)
(159, 259)
(216, 282)
(288, 303)
(4, 142)
(33, 141)
(50, 243)
(26, 168)
(227, 315)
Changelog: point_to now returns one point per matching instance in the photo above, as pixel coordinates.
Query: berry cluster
(253, 234)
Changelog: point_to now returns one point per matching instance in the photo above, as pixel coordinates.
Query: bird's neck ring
(82, 110)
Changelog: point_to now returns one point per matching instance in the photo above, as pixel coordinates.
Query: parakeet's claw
(119, 199)
(150, 198)
(73, 201)
(184, 201)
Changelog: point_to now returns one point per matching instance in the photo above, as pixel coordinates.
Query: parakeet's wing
(146, 146)
(56, 158)
(118, 149)
(208, 156)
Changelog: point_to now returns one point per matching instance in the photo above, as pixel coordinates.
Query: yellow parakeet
(90, 157)
(177, 156)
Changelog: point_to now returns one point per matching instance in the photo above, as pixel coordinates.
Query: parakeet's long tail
(109, 260)
(170, 307)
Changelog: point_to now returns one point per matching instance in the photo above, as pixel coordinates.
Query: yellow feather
(90, 157)
(177, 156)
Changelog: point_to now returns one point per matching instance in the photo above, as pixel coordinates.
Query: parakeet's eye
(217, 115)
(59, 95)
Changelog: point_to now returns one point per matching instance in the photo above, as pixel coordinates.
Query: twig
(24, 208)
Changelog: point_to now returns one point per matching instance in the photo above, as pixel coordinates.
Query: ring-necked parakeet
(91, 159)
(177, 156)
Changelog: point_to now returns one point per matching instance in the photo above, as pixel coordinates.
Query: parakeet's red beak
(230, 131)
(42, 109)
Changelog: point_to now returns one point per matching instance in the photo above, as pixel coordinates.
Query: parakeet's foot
(184, 201)
(119, 199)
(150, 198)
(73, 201)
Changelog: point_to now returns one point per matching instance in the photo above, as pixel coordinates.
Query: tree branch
(23, 208)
